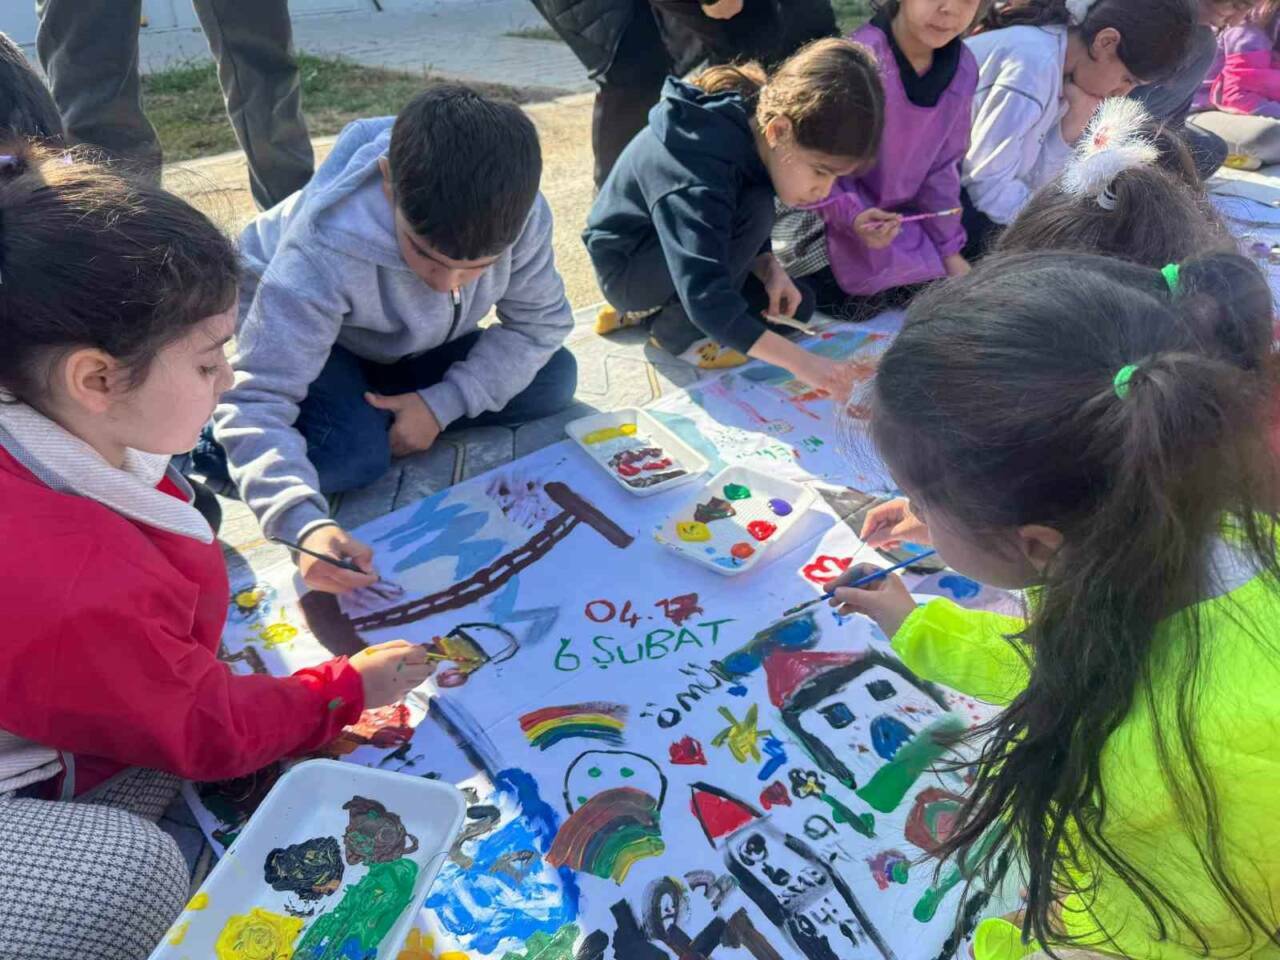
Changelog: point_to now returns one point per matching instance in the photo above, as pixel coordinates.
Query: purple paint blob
(779, 507)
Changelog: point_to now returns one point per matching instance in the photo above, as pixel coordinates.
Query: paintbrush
(829, 590)
(341, 562)
(446, 658)
(929, 216)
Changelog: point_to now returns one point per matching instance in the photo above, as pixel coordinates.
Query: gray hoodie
(323, 267)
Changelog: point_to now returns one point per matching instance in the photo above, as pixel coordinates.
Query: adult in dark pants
(630, 46)
(89, 51)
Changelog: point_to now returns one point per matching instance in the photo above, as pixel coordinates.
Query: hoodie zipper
(456, 295)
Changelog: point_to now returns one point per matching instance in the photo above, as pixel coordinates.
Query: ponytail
(744, 79)
(1077, 392)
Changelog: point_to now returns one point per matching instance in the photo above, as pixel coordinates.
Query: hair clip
(1115, 141)
(1121, 381)
(1170, 273)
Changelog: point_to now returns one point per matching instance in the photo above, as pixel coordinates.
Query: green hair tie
(1170, 274)
(1121, 382)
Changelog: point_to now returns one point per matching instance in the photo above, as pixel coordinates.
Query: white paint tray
(307, 804)
(633, 431)
(762, 506)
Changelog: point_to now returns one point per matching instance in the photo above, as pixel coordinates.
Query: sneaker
(608, 319)
(709, 355)
(1242, 161)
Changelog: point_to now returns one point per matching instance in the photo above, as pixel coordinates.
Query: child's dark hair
(829, 90)
(997, 407)
(1155, 214)
(465, 170)
(90, 258)
(1264, 15)
(26, 106)
(1154, 34)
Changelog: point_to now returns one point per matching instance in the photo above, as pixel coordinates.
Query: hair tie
(1170, 273)
(1122, 378)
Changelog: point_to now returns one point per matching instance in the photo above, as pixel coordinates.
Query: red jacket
(108, 649)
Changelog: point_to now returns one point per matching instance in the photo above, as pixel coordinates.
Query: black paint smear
(311, 869)
(374, 834)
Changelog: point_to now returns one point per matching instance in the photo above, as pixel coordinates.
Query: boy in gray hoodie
(359, 313)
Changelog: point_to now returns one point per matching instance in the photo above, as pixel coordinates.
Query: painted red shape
(775, 795)
(687, 752)
(742, 550)
(762, 529)
(826, 568)
(718, 812)
(657, 464)
(628, 469)
(785, 670)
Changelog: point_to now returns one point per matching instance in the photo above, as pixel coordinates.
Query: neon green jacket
(1237, 730)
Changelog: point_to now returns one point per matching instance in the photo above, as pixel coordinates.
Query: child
(116, 300)
(1130, 190)
(681, 228)
(1043, 67)
(360, 336)
(1243, 100)
(870, 254)
(1068, 423)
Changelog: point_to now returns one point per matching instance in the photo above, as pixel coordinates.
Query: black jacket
(682, 181)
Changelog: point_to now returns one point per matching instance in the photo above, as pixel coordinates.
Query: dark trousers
(347, 439)
(982, 231)
(645, 281)
(830, 298)
(1207, 149)
(89, 51)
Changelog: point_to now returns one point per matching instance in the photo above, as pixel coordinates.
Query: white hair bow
(1115, 141)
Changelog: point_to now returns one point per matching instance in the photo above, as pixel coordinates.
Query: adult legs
(628, 89)
(253, 45)
(89, 52)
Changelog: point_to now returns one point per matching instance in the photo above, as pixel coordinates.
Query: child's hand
(886, 601)
(833, 376)
(877, 228)
(336, 542)
(956, 265)
(390, 670)
(1080, 109)
(415, 428)
(890, 523)
(722, 9)
(784, 295)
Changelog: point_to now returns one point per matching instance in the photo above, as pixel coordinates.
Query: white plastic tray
(635, 430)
(306, 804)
(764, 505)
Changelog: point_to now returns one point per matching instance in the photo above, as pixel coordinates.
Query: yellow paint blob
(609, 433)
(259, 935)
(247, 600)
(277, 634)
(198, 902)
(179, 933)
(693, 531)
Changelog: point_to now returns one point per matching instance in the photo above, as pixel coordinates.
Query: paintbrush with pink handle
(929, 216)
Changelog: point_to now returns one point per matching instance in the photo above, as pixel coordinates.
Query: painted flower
(259, 935)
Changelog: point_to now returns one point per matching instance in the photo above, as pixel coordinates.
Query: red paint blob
(775, 795)
(687, 752)
(742, 550)
(762, 529)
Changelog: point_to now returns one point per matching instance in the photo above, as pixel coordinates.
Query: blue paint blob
(795, 634)
(777, 754)
(962, 588)
(729, 563)
(737, 690)
(711, 551)
(488, 907)
(741, 662)
(888, 734)
(779, 507)
(908, 546)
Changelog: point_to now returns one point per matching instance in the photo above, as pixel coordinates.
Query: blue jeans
(347, 439)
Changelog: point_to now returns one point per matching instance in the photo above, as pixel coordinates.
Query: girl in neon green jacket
(1099, 432)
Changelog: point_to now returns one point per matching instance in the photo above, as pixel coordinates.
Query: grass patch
(185, 103)
(851, 14)
(536, 32)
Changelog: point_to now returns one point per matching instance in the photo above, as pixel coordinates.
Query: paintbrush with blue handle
(829, 590)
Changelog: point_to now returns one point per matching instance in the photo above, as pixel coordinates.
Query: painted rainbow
(608, 834)
(585, 721)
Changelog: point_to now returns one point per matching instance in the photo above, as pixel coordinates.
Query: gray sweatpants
(89, 51)
(92, 877)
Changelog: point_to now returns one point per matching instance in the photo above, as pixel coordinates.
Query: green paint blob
(627, 772)
(335, 703)
(594, 772)
(364, 916)
(899, 872)
(736, 491)
(544, 946)
(885, 790)
(581, 799)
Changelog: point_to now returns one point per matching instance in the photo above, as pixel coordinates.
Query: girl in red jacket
(116, 303)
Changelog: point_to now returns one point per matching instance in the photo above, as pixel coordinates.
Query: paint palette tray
(337, 861)
(734, 519)
(641, 455)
